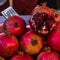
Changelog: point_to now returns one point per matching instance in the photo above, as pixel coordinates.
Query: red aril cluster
(31, 43)
(8, 45)
(42, 23)
(22, 57)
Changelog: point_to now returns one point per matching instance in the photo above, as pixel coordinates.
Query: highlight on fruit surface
(48, 55)
(31, 43)
(8, 45)
(15, 25)
(42, 8)
(56, 15)
(54, 40)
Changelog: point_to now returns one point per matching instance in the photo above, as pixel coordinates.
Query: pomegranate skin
(1, 28)
(48, 55)
(42, 8)
(54, 40)
(21, 57)
(31, 43)
(15, 25)
(8, 45)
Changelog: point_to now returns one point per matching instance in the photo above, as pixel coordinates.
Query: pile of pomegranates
(39, 40)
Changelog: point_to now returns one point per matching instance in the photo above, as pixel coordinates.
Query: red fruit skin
(8, 45)
(31, 43)
(1, 25)
(21, 57)
(57, 25)
(1, 28)
(43, 8)
(15, 25)
(48, 55)
(54, 40)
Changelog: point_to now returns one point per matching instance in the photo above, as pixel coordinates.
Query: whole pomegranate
(21, 57)
(8, 45)
(42, 23)
(15, 25)
(31, 43)
(54, 40)
(48, 55)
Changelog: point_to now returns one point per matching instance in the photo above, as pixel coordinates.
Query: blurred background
(25, 7)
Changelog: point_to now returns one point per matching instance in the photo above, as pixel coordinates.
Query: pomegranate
(1, 28)
(31, 43)
(8, 45)
(48, 55)
(54, 40)
(42, 23)
(21, 57)
(15, 25)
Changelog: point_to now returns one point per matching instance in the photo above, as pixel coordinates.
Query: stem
(34, 42)
(15, 24)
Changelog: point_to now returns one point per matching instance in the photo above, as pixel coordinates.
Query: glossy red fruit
(57, 25)
(48, 55)
(31, 43)
(1, 28)
(15, 25)
(22, 57)
(8, 45)
(54, 40)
